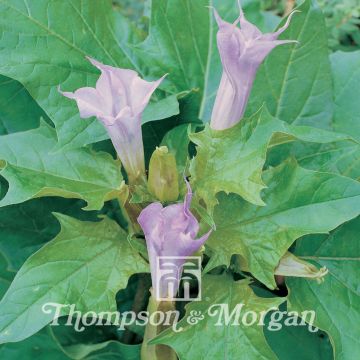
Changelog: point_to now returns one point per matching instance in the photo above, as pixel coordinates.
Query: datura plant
(181, 184)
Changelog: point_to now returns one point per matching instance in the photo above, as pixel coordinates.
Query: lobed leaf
(221, 342)
(33, 170)
(336, 301)
(346, 75)
(177, 43)
(18, 111)
(44, 44)
(232, 160)
(299, 202)
(85, 265)
(25, 227)
(295, 81)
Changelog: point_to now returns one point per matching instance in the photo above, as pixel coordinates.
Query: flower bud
(290, 265)
(163, 177)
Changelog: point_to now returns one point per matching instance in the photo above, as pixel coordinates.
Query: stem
(157, 352)
(143, 286)
(133, 211)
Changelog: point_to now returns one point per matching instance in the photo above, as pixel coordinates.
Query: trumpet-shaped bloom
(170, 231)
(118, 100)
(242, 50)
(290, 265)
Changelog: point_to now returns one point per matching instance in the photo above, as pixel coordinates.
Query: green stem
(156, 352)
(139, 304)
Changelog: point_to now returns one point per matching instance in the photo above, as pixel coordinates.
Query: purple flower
(118, 100)
(170, 231)
(242, 50)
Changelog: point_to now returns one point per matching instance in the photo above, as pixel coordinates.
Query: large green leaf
(25, 227)
(232, 160)
(44, 44)
(177, 140)
(115, 350)
(293, 339)
(297, 342)
(6, 276)
(346, 74)
(96, 341)
(336, 301)
(33, 170)
(299, 202)
(177, 43)
(206, 340)
(340, 157)
(93, 342)
(108, 350)
(18, 111)
(154, 131)
(86, 264)
(41, 346)
(161, 109)
(295, 80)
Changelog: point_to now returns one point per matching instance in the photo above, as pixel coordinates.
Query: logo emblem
(170, 275)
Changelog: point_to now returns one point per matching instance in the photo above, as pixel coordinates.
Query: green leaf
(44, 44)
(6, 276)
(177, 140)
(154, 131)
(33, 170)
(295, 80)
(221, 342)
(346, 74)
(18, 111)
(297, 342)
(41, 346)
(85, 265)
(25, 227)
(93, 343)
(177, 43)
(115, 350)
(232, 160)
(107, 350)
(290, 337)
(161, 109)
(337, 315)
(340, 158)
(299, 202)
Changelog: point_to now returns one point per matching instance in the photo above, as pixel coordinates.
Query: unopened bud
(163, 178)
(290, 265)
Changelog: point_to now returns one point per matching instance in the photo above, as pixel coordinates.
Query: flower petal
(275, 35)
(88, 101)
(142, 91)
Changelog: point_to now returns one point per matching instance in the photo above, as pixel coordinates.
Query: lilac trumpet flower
(118, 100)
(242, 50)
(170, 231)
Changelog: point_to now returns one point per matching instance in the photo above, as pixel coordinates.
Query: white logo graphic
(170, 275)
